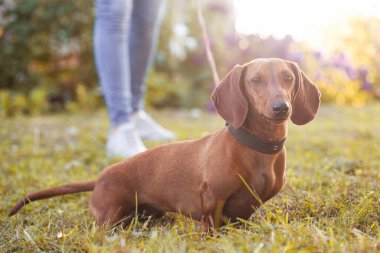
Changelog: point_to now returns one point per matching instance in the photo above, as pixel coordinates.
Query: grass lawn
(331, 202)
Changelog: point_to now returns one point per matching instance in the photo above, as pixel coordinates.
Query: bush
(42, 43)
(46, 51)
(337, 88)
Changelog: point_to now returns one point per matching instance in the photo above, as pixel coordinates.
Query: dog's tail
(51, 192)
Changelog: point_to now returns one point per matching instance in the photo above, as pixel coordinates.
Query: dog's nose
(280, 108)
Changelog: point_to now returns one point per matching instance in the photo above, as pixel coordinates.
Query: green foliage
(46, 48)
(357, 39)
(37, 101)
(337, 88)
(13, 103)
(175, 92)
(5, 103)
(330, 202)
(44, 43)
(163, 92)
(361, 42)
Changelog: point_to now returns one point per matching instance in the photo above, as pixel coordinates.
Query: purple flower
(362, 74)
(219, 7)
(198, 58)
(232, 39)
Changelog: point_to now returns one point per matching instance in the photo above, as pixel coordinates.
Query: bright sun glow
(304, 20)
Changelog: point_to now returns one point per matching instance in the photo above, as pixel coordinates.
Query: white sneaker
(124, 141)
(149, 129)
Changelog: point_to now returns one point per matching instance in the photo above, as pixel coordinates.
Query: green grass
(331, 202)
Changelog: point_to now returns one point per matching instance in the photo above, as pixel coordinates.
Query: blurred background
(47, 65)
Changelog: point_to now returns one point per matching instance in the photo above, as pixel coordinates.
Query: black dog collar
(253, 142)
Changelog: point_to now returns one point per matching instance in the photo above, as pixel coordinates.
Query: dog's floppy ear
(229, 99)
(306, 97)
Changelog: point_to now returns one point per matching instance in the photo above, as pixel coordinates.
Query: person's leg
(145, 25)
(112, 58)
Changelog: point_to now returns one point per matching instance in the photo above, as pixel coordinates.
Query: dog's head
(272, 89)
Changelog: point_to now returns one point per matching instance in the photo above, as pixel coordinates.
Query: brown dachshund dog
(228, 173)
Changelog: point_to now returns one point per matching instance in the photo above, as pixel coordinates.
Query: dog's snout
(280, 108)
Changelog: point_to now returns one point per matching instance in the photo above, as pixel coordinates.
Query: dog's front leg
(212, 209)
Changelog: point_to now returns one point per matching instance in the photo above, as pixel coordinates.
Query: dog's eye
(257, 80)
(288, 78)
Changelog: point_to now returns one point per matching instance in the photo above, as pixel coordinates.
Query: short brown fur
(196, 177)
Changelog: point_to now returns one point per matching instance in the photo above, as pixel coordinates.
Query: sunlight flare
(304, 20)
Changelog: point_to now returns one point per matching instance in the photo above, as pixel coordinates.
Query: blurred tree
(182, 54)
(45, 42)
(46, 47)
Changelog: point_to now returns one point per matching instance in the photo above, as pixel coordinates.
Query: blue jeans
(125, 38)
